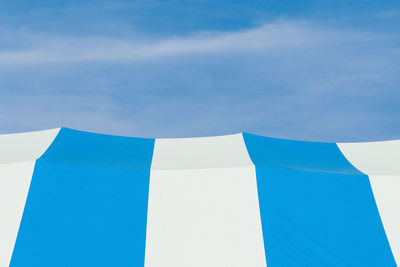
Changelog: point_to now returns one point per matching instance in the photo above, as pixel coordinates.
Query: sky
(307, 70)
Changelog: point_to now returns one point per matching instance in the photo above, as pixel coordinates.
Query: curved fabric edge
(102, 150)
(25, 146)
(297, 155)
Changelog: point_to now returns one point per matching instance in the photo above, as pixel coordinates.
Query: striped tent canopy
(72, 198)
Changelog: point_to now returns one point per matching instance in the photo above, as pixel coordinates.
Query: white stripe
(18, 153)
(374, 158)
(381, 162)
(203, 211)
(15, 179)
(200, 153)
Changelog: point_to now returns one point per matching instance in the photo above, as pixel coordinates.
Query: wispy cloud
(293, 79)
(268, 38)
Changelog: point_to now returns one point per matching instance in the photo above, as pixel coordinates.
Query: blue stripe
(77, 147)
(316, 208)
(87, 203)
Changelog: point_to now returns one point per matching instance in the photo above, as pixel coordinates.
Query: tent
(73, 198)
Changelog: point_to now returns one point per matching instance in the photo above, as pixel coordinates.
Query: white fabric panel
(374, 158)
(198, 153)
(381, 162)
(25, 146)
(18, 153)
(386, 191)
(15, 179)
(203, 213)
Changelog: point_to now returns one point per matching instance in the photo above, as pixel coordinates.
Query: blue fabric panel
(316, 209)
(85, 214)
(299, 155)
(77, 147)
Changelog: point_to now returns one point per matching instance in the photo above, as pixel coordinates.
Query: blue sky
(307, 70)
